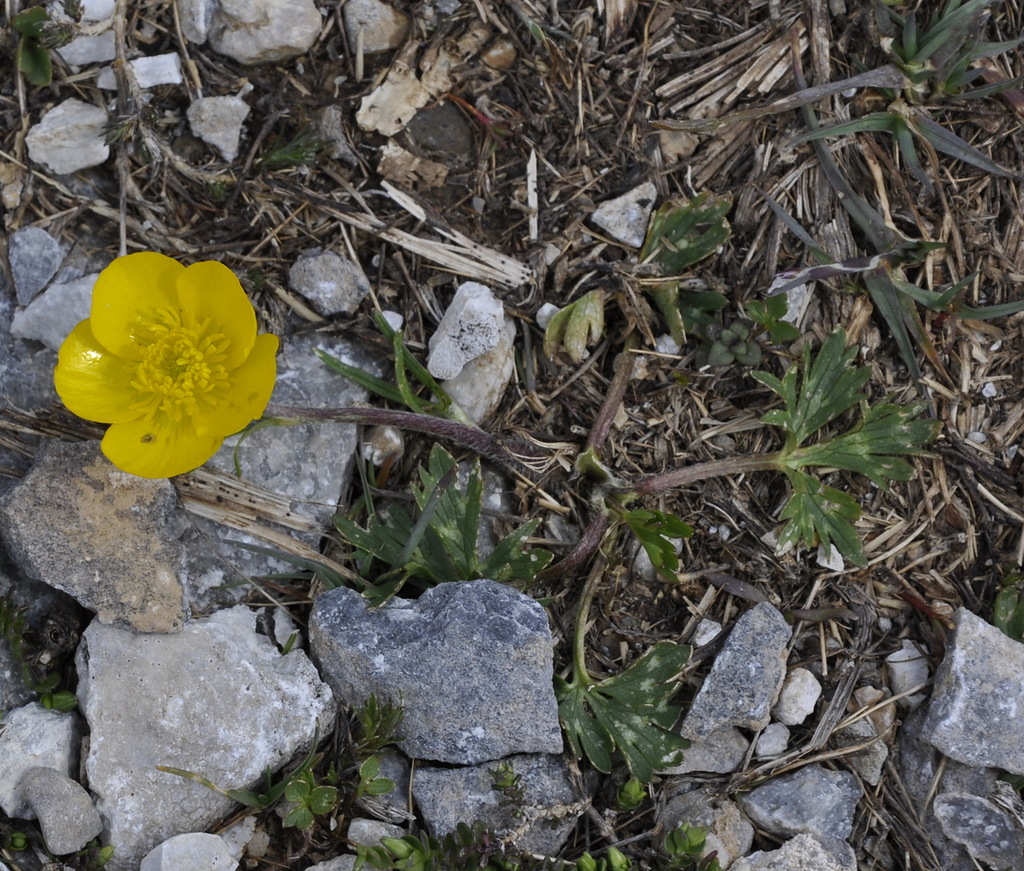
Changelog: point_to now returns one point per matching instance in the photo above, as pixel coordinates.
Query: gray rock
(218, 122)
(331, 284)
(368, 833)
(802, 853)
(729, 832)
(977, 692)
(83, 50)
(108, 541)
(65, 812)
(470, 662)
(773, 741)
(625, 217)
(746, 677)
(69, 137)
(192, 851)
(35, 257)
(150, 72)
(448, 796)
(380, 26)
(479, 388)
(34, 737)
(472, 325)
(869, 762)
(340, 863)
(720, 752)
(308, 467)
(811, 800)
(392, 806)
(331, 124)
(252, 709)
(990, 834)
(55, 312)
(264, 31)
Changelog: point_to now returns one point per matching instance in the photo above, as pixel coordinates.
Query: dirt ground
(580, 112)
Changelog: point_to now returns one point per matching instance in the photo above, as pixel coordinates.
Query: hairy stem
(510, 454)
(623, 366)
(712, 469)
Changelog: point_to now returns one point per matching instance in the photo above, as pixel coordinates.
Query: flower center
(181, 367)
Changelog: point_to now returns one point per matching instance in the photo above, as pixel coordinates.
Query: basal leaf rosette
(170, 358)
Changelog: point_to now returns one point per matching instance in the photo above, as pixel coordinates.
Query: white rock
(908, 668)
(383, 27)
(69, 137)
(545, 313)
(238, 836)
(369, 832)
(625, 218)
(194, 851)
(472, 325)
(218, 122)
(98, 10)
(799, 695)
(196, 18)
(772, 742)
(34, 737)
(479, 388)
(330, 283)
(159, 69)
(84, 50)
(264, 31)
(55, 312)
(394, 319)
(707, 630)
(65, 811)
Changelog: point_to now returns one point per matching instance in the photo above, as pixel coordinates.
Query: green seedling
(1008, 611)
(441, 543)
(631, 794)
(684, 849)
(681, 234)
(377, 726)
(655, 530)
(310, 800)
(31, 56)
(768, 315)
(41, 674)
(509, 786)
(576, 327)
(298, 150)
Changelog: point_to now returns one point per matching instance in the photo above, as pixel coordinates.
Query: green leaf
(576, 327)
(682, 233)
(300, 817)
(828, 387)
(817, 514)
(654, 530)
(34, 62)
(31, 22)
(628, 712)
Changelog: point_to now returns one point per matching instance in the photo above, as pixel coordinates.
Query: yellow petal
(92, 382)
(210, 291)
(247, 394)
(127, 299)
(158, 448)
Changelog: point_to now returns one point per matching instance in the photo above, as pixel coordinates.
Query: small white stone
(264, 31)
(472, 325)
(194, 851)
(382, 27)
(331, 284)
(625, 218)
(98, 10)
(150, 72)
(988, 390)
(773, 741)
(394, 319)
(979, 438)
(218, 122)
(479, 388)
(83, 50)
(831, 558)
(666, 345)
(798, 697)
(908, 668)
(69, 137)
(545, 313)
(706, 631)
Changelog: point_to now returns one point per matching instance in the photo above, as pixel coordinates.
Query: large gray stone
(55, 312)
(470, 662)
(108, 540)
(264, 31)
(978, 691)
(745, 680)
(990, 834)
(812, 800)
(66, 814)
(34, 737)
(802, 853)
(217, 699)
(541, 822)
(35, 256)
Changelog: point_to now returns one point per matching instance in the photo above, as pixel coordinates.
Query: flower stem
(691, 474)
(511, 454)
(580, 675)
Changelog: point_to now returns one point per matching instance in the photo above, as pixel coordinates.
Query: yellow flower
(170, 359)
